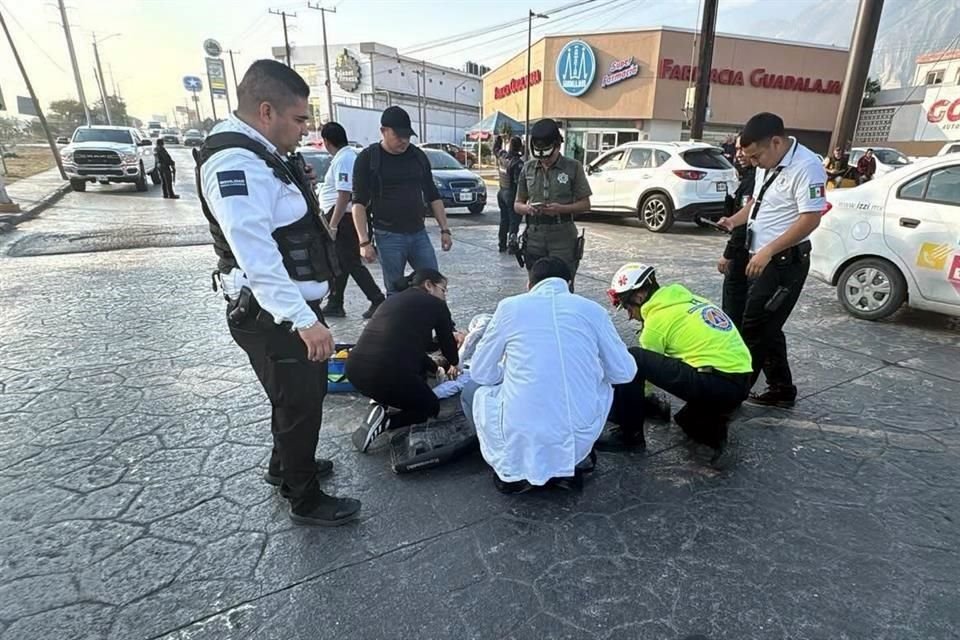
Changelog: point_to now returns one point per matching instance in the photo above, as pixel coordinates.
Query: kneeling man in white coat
(542, 380)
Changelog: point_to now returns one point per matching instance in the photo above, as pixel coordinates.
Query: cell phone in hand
(713, 224)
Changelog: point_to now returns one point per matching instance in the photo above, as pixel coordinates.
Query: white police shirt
(249, 203)
(339, 177)
(799, 189)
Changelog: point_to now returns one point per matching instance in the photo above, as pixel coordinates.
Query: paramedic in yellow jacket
(688, 347)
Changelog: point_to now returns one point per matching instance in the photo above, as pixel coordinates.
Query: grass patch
(29, 161)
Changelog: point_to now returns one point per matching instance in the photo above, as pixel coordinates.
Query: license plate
(465, 197)
(722, 187)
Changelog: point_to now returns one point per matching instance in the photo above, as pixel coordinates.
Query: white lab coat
(546, 363)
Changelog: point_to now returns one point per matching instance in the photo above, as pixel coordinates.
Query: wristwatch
(444, 231)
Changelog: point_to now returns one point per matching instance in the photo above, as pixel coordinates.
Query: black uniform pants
(762, 327)
(166, 181)
(401, 388)
(509, 220)
(710, 396)
(351, 266)
(296, 388)
(735, 286)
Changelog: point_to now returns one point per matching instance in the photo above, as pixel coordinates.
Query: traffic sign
(216, 77)
(212, 48)
(192, 83)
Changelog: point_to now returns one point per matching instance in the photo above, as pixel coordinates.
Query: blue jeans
(466, 401)
(397, 249)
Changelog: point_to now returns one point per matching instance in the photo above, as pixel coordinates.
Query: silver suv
(109, 154)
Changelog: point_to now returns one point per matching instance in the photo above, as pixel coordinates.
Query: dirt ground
(29, 160)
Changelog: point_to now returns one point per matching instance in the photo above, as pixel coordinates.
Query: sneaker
(376, 423)
(784, 397)
(510, 488)
(324, 468)
(618, 439)
(331, 310)
(372, 309)
(328, 511)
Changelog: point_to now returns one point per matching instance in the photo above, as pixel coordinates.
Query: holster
(581, 243)
(522, 249)
(240, 308)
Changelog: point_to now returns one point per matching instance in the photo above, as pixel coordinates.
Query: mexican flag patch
(817, 191)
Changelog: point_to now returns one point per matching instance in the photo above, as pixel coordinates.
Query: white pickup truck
(109, 154)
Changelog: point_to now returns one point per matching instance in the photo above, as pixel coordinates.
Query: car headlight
(66, 156)
(437, 183)
(129, 157)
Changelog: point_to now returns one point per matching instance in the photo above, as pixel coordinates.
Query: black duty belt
(535, 220)
(795, 253)
(722, 374)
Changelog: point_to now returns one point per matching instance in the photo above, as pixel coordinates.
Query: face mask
(542, 152)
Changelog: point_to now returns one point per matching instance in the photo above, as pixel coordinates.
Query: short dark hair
(549, 267)
(270, 81)
(516, 144)
(335, 133)
(159, 142)
(761, 128)
(418, 278)
(869, 150)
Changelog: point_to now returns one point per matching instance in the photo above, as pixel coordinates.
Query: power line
(30, 38)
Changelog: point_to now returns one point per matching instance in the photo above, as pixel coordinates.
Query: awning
(494, 124)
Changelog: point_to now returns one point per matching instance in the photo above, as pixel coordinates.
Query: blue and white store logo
(576, 68)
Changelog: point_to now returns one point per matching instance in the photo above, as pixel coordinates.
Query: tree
(870, 92)
(65, 116)
(118, 111)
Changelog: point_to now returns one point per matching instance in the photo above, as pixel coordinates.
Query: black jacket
(736, 244)
(164, 160)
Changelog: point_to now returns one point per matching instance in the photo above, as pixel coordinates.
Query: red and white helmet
(629, 277)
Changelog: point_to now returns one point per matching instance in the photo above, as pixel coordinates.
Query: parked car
(107, 155)
(893, 240)
(458, 187)
(170, 136)
(950, 147)
(63, 140)
(464, 157)
(318, 159)
(662, 182)
(192, 138)
(887, 159)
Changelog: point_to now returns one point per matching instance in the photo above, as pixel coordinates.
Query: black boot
(372, 309)
(325, 511)
(616, 438)
(775, 396)
(333, 310)
(656, 407)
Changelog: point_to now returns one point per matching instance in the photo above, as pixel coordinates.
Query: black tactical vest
(306, 246)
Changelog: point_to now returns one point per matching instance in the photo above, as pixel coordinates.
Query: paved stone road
(133, 436)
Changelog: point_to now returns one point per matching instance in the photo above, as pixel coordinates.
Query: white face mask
(543, 152)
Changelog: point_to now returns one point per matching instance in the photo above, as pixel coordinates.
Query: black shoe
(510, 488)
(784, 397)
(331, 310)
(377, 422)
(588, 464)
(617, 439)
(328, 511)
(175, 197)
(574, 483)
(324, 468)
(501, 249)
(372, 309)
(656, 407)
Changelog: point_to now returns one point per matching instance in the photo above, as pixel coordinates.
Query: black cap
(397, 119)
(546, 129)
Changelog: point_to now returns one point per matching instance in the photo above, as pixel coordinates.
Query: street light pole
(101, 80)
(455, 90)
(708, 32)
(526, 82)
(233, 68)
(73, 61)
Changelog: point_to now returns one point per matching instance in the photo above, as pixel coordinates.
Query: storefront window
(594, 143)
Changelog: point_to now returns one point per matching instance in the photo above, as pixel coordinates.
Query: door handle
(909, 223)
(610, 179)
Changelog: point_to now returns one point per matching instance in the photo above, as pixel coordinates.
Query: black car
(192, 138)
(458, 187)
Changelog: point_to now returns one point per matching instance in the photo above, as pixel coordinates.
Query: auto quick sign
(940, 119)
(576, 68)
(619, 71)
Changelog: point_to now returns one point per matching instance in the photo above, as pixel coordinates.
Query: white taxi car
(894, 239)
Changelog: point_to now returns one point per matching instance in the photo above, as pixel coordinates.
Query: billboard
(940, 116)
(25, 106)
(216, 77)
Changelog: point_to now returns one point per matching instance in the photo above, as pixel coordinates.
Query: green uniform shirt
(681, 325)
(564, 182)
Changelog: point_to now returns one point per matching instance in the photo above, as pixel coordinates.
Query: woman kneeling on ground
(391, 360)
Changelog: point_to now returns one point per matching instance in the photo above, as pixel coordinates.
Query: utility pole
(858, 67)
(423, 72)
(326, 55)
(286, 39)
(236, 87)
(103, 94)
(103, 84)
(708, 33)
(33, 97)
(73, 61)
(526, 81)
(416, 72)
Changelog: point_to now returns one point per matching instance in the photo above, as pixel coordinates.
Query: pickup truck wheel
(871, 289)
(141, 180)
(78, 185)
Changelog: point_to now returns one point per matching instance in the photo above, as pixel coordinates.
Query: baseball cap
(397, 119)
(546, 129)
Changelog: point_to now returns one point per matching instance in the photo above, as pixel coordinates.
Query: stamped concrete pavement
(133, 437)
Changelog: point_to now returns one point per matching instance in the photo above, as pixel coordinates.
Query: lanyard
(763, 191)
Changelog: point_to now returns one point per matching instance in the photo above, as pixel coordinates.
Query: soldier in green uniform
(551, 190)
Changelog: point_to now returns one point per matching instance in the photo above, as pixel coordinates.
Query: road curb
(9, 221)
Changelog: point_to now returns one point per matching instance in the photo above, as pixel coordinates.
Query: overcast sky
(160, 41)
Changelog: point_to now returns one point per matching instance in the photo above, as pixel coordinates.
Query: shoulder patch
(817, 190)
(232, 183)
(343, 177)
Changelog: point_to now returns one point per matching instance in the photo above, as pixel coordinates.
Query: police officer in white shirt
(788, 200)
(335, 196)
(276, 258)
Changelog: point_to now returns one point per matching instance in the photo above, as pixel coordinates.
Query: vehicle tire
(155, 176)
(141, 180)
(78, 185)
(871, 289)
(656, 213)
(476, 208)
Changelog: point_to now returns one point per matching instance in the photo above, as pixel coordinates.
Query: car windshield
(193, 133)
(319, 161)
(891, 157)
(170, 131)
(102, 135)
(441, 160)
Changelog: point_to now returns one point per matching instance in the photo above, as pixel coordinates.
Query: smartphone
(713, 224)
